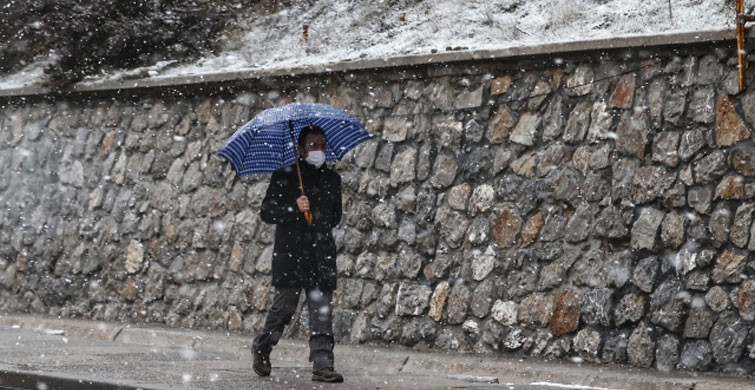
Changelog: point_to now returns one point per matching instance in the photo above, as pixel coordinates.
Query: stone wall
(595, 206)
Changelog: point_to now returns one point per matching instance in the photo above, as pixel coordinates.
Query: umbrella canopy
(265, 143)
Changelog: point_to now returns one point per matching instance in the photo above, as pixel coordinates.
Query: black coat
(304, 255)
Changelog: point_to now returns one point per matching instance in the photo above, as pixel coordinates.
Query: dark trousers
(320, 309)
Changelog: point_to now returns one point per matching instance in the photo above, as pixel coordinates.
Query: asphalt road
(44, 353)
(49, 359)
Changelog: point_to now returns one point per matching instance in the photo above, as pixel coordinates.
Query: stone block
(566, 312)
(645, 229)
(623, 95)
(730, 128)
(640, 347)
(506, 227)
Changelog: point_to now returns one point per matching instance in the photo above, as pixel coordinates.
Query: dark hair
(310, 129)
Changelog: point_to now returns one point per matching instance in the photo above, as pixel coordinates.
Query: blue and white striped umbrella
(264, 144)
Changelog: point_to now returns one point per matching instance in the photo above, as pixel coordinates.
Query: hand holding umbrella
(303, 203)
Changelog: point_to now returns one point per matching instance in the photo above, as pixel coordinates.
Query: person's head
(311, 138)
(312, 145)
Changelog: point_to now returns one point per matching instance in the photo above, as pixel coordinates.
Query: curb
(32, 380)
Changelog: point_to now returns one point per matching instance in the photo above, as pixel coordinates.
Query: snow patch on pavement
(570, 387)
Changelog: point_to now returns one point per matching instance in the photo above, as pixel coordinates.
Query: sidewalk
(77, 354)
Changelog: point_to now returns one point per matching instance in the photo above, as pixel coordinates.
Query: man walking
(304, 254)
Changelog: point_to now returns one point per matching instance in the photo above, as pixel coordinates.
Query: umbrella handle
(307, 214)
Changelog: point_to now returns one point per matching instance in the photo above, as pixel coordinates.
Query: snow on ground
(30, 74)
(349, 30)
(568, 387)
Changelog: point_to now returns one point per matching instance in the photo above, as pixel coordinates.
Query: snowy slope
(347, 30)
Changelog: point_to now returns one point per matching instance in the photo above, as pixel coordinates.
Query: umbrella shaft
(307, 214)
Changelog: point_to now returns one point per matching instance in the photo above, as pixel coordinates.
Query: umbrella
(268, 141)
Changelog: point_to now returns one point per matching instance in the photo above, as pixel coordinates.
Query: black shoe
(327, 374)
(261, 364)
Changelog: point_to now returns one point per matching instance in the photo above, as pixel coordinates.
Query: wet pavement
(45, 353)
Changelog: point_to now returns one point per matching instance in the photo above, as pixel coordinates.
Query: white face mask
(316, 158)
